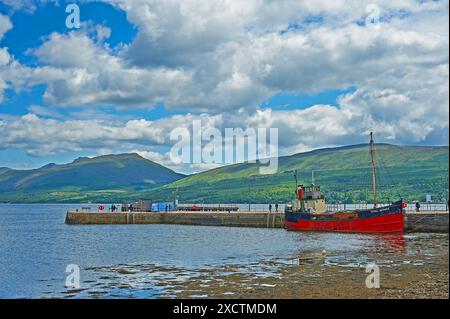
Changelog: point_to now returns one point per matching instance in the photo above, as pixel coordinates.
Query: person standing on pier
(270, 208)
(276, 207)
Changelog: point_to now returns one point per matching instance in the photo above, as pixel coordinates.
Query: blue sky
(161, 65)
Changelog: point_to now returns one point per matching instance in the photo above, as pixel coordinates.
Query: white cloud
(212, 57)
(44, 136)
(79, 71)
(299, 130)
(5, 25)
(224, 58)
(4, 57)
(73, 50)
(4, 61)
(28, 5)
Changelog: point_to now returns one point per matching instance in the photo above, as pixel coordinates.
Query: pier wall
(437, 222)
(427, 222)
(240, 219)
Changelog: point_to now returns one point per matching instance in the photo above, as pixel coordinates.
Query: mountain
(408, 172)
(4, 170)
(84, 179)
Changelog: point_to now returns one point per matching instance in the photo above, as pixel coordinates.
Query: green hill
(344, 174)
(84, 179)
(408, 172)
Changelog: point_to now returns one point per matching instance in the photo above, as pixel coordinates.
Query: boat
(308, 211)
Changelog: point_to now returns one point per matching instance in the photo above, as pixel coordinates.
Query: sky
(323, 73)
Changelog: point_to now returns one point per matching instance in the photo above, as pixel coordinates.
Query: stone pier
(435, 222)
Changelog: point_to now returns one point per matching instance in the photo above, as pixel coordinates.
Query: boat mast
(296, 187)
(296, 179)
(374, 175)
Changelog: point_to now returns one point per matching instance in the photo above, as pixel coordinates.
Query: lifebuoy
(101, 207)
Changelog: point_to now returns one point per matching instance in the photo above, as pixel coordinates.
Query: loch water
(133, 261)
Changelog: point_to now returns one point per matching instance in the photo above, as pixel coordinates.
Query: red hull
(391, 223)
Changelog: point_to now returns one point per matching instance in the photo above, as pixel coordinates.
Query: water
(146, 260)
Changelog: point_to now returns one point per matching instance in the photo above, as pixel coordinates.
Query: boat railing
(411, 207)
(340, 206)
(428, 207)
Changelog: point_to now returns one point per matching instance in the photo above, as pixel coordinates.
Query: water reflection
(389, 243)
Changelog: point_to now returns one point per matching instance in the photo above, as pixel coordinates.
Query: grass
(344, 174)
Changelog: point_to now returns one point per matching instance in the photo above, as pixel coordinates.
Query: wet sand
(312, 281)
(418, 269)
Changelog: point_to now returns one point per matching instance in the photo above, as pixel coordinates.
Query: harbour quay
(427, 221)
